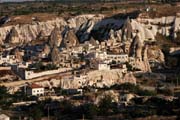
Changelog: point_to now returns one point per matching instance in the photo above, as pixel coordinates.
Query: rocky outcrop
(173, 60)
(55, 55)
(70, 33)
(127, 30)
(46, 51)
(98, 79)
(156, 54)
(156, 57)
(137, 46)
(85, 26)
(130, 78)
(146, 60)
(109, 77)
(144, 33)
(93, 42)
(55, 38)
(70, 39)
(139, 52)
(174, 51)
(18, 55)
(94, 78)
(28, 32)
(104, 78)
(167, 26)
(12, 36)
(80, 22)
(114, 95)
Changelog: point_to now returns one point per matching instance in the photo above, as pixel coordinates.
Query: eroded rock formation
(71, 32)
(55, 38)
(55, 55)
(70, 39)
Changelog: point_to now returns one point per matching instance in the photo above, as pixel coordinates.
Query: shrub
(134, 89)
(105, 105)
(90, 110)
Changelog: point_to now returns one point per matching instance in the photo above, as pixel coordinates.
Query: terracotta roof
(35, 86)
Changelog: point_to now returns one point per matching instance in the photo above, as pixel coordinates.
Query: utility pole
(83, 117)
(48, 112)
(177, 81)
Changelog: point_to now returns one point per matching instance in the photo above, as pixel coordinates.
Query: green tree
(5, 97)
(105, 105)
(129, 66)
(90, 110)
(36, 113)
(3, 92)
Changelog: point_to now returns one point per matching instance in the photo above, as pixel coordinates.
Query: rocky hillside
(68, 33)
(97, 26)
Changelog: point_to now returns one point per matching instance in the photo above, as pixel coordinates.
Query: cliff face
(133, 34)
(70, 39)
(28, 32)
(167, 26)
(55, 55)
(55, 38)
(97, 26)
(156, 56)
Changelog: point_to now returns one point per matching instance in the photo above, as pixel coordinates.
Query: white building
(9, 59)
(24, 73)
(76, 50)
(120, 58)
(101, 55)
(35, 90)
(74, 82)
(4, 117)
(103, 66)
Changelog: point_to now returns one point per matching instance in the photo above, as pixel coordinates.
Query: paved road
(43, 78)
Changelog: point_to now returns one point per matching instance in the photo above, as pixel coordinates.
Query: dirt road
(43, 78)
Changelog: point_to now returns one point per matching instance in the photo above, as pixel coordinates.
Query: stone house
(120, 58)
(35, 90)
(103, 66)
(7, 59)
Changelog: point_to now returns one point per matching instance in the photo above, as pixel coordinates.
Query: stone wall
(31, 74)
(25, 74)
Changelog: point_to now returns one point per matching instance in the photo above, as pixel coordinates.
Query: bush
(5, 98)
(90, 110)
(129, 66)
(36, 112)
(134, 89)
(146, 93)
(106, 105)
(165, 91)
(142, 113)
